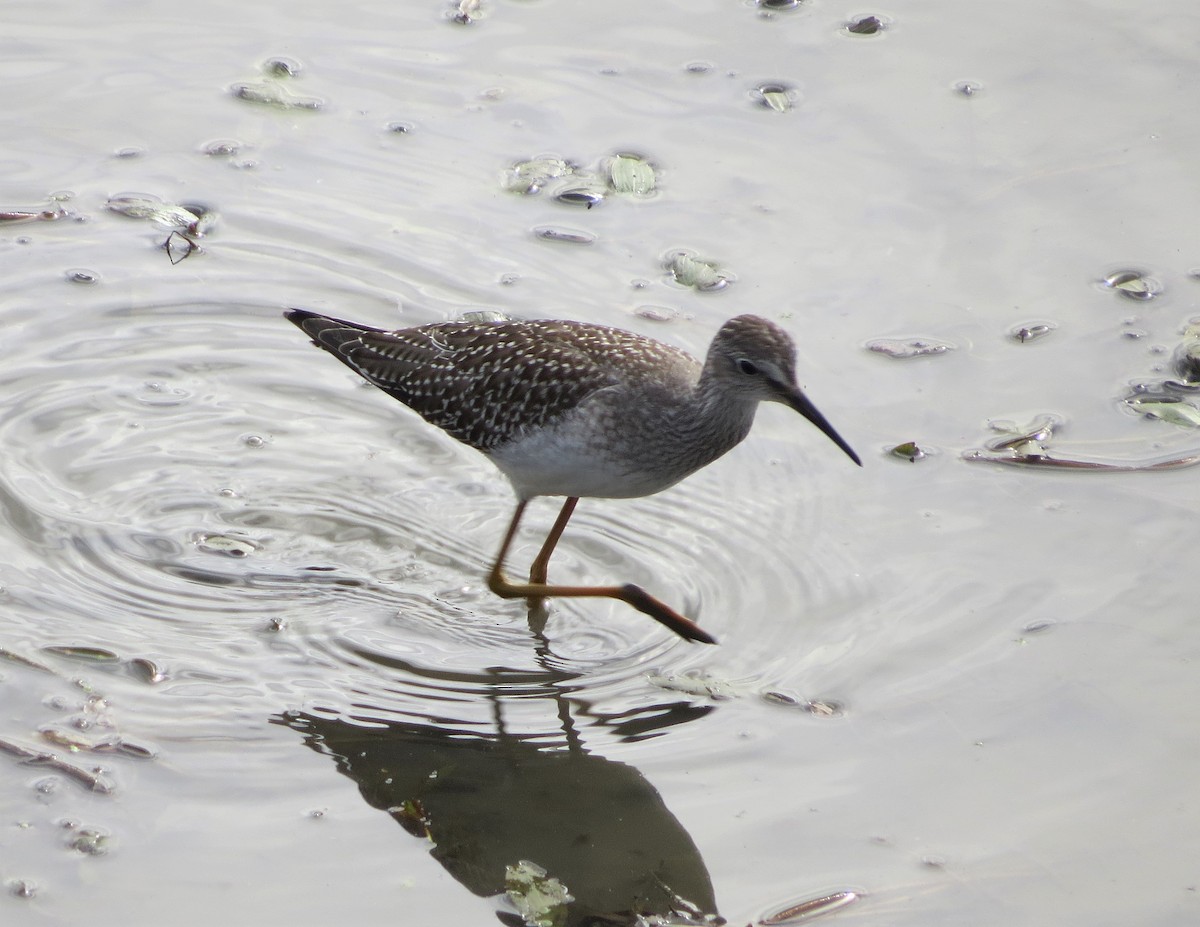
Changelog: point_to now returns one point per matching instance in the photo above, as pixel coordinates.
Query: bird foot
(632, 595)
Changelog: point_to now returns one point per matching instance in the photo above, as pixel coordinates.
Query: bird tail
(327, 332)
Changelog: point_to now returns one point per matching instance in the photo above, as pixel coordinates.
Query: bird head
(756, 359)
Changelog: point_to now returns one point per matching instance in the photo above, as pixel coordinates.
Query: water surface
(250, 591)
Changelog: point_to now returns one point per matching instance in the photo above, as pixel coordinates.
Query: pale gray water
(1009, 652)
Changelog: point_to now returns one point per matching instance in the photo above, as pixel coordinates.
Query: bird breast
(606, 448)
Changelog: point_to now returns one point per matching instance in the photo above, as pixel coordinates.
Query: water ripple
(174, 479)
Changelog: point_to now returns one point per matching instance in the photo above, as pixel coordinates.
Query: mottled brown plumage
(573, 409)
(489, 383)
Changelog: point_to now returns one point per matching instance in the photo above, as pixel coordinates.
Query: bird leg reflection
(632, 595)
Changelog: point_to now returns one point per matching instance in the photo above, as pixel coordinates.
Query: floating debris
(581, 196)
(14, 657)
(399, 128)
(902, 348)
(80, 275)
(1169, 463)
(72, 740)
(193, 218)
(529, 177)
(93, 781)
(222, 148)
(824, 708)
(126, 748)
(412, 816)
(19, 215)
(179, 247)
(539, 898)
(83, 654)
(21, 888)
(1166, 408)
(694, 682)
(779, 5)
(1028, 447)
(570, 236)
(206, 218)
(50, 213)
(1024, 440)
(631, 174)
(820, 708)
(688, 270)
(1187, 361)
(1133, 284)
(813, 907)
(774, 96)
(908, 451)
(1031, 331)
(865, 25)
(624, 173)
(90, 841)
(281, 67)
(270, 93)
(465, 12)
(138, 667)
(146, 670)
(656, 313)
(76, 742)
(226, 544)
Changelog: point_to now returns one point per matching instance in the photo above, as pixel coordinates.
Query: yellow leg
(537, 573)
(632, 595)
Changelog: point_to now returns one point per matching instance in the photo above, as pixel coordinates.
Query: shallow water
(962, 690)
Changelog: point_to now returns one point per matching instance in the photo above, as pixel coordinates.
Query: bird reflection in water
(489, 801)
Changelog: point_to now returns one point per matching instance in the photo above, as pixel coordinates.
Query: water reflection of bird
(488, 802)
(572, 409)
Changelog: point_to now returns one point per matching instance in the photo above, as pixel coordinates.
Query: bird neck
(720, 417)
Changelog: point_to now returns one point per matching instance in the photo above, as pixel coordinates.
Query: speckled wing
(484, 383)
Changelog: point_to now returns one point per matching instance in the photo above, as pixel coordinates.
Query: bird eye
(747, 367)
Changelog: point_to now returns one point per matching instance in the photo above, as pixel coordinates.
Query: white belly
(555, 462)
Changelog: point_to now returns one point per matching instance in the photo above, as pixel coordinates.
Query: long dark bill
(798, 401)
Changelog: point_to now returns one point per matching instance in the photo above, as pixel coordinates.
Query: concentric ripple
(170, 492)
